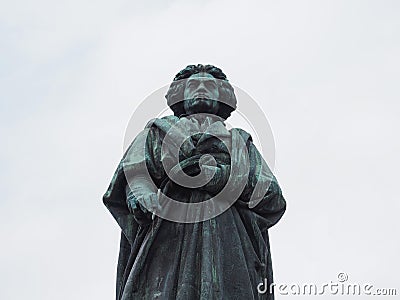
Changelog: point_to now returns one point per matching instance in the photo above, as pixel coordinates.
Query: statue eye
(211, 85)
(191, 84)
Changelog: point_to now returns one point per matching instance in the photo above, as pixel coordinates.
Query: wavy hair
(174, 96)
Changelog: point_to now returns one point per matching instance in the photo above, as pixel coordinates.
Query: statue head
(201, 89)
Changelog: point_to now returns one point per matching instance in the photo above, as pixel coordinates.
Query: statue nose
(201, 87)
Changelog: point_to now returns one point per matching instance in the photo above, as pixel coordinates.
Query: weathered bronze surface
(224, 257)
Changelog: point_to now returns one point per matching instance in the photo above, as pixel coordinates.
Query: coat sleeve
(140, 171)
(137, 160)
(262, 193)
(115, 201)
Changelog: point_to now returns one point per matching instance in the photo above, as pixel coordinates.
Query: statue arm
(143, 172)
(141, 198)
(262, 193)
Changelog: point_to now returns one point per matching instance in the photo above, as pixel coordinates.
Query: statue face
(201, 94)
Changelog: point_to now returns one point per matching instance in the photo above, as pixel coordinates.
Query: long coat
(225, 257)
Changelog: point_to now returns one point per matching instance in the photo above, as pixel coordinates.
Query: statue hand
(148, 203)
(219, 180)
(143, 207)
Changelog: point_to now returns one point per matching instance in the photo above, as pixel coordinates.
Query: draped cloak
(225, 257)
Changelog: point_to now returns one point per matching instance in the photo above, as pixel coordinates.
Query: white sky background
(72, 72)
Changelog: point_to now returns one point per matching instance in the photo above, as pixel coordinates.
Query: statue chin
(197, 106)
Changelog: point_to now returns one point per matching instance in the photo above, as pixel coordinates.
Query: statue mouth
(202, 97)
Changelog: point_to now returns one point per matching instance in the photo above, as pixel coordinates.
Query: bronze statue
(194, 239)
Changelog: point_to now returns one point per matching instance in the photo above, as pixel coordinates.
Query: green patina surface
(225, 257)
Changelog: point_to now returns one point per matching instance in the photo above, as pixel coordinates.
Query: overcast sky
(326, 74)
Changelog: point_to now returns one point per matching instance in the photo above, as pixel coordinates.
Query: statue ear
(229, 100)
(174, 97)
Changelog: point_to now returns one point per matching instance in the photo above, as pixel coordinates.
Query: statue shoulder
(243, 133)
(164, 122)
